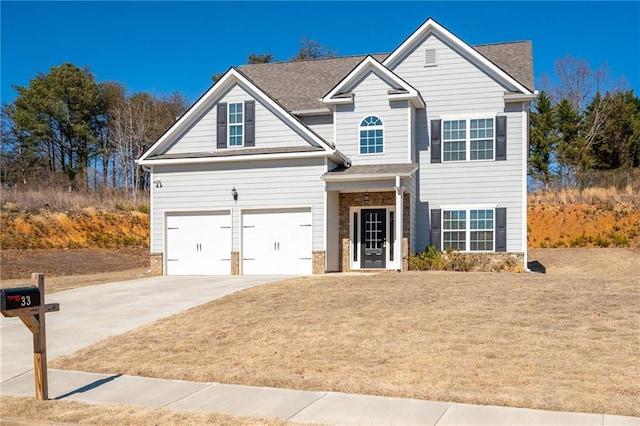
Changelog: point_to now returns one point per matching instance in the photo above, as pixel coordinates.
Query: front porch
(367, 233)
(369, 216)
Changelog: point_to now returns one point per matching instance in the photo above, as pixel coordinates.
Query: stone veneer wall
(386, 199)
(156, 264)
(318, 262)
(235, 263)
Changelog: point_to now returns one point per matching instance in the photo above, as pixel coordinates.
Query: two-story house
(347, 163)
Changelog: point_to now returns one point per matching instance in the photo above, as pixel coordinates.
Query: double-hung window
(236, 124)
(468, 230)
(468, 139)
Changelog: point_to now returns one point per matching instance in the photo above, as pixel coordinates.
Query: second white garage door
(276, 242)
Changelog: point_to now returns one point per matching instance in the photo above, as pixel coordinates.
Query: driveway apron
(90, 314)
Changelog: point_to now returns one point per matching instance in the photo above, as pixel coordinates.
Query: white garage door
(199, 244)
(276, 242)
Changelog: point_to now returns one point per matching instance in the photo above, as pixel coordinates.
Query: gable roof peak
(401, 89)
(431, 26)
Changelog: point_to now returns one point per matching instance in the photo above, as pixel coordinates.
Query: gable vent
(430, 58)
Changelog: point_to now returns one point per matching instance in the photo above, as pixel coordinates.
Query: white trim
(315, 111)
(482, 206)
(468, 230)
(362, 176)
(519, 97)
(525, 162)
(151, 213)
(389, 264)
(211, 97)
(430, 26)
(399, 224)
(468, 140)
(240, 157)
(376, 127)
(409, 135)
(335, 128)
(229, 124)
(325, 220)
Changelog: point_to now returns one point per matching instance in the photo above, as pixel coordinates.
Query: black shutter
(501, 229)
(436, 234)
(222, 126)
(250, 123)
(501, 138)
(435, 140)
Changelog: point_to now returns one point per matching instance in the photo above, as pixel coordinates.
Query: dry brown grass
(58, 199)
(592, 196)
(16, 411)
(565, 341)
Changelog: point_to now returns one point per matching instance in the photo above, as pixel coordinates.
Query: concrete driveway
(90, 314)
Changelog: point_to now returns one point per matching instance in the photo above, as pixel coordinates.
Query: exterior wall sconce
(158, 183)
(366, 197)
(234, 194)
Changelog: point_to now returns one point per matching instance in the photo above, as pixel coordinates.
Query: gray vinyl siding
(473, 183)
(271, 131)
(260, 184)
(371, 98)
(333, 230)
(458, 87)
(321, 124)
(454, 86)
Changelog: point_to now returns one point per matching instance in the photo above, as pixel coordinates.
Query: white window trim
(229, 124)
(391, 265)
(468, 229)
(468, 118)
(381, 127)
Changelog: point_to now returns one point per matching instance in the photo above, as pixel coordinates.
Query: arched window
(371, 136)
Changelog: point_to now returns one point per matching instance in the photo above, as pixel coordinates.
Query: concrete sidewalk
(292, 405)
(90, 314)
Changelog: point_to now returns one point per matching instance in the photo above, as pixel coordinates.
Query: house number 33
(25, 301)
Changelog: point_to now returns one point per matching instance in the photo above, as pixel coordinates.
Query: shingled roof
(299, 85)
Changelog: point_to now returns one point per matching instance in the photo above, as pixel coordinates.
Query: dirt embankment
(86, 228)
(584, 225)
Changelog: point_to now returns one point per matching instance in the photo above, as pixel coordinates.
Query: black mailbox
(19, 297)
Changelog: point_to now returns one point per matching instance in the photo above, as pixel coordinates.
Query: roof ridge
(500, 43)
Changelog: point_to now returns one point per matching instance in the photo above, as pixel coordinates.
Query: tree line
(582, 126)
(67, 129)
(64, 128)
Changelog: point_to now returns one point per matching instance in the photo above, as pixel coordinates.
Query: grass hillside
(593, 217)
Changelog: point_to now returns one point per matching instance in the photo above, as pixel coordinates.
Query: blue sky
(165, 47)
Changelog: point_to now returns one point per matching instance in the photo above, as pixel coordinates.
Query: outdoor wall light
(158, 183)
(234, 194)
(366, 197)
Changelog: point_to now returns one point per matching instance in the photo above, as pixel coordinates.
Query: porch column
(399, 225)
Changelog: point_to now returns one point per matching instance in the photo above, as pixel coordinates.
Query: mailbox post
(27, 303)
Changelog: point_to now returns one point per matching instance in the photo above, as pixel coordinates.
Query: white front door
(276, 242)
(198, 244)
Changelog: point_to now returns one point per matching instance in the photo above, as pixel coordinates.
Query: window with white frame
(468, 230)
(371, 135)
(236, 124)
(468, 139)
